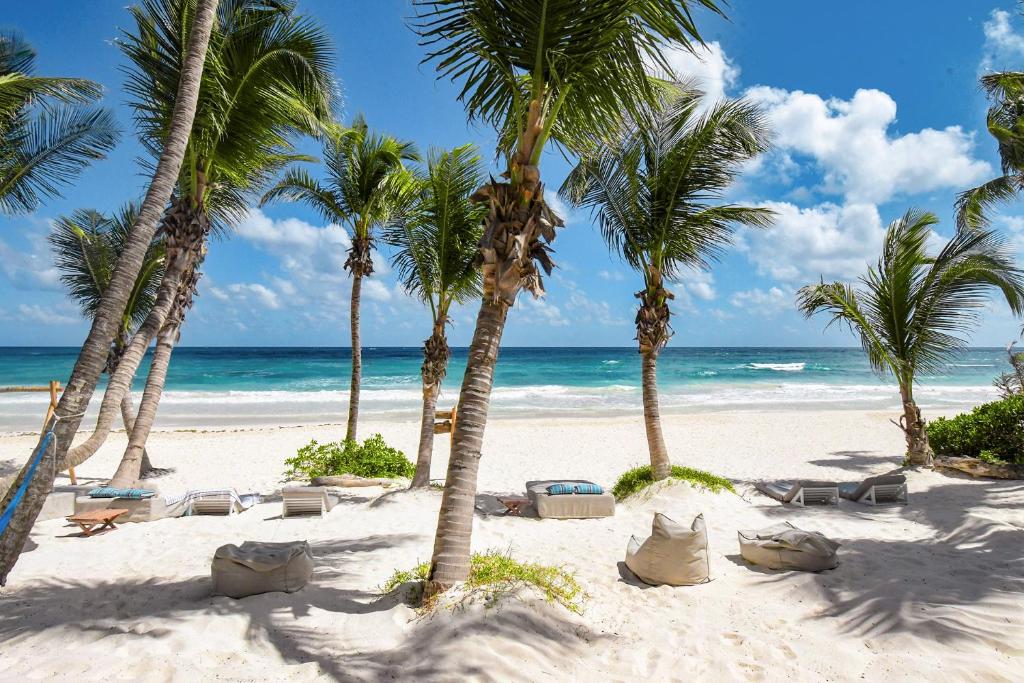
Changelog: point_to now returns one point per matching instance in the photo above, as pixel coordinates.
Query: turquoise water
(295, 385)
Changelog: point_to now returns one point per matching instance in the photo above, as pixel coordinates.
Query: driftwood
(980, 468)
(349, 480)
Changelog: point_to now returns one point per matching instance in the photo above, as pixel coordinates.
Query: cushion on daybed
(110, 492)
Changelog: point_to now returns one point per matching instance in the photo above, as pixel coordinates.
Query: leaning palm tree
(656, 192)
(911, 310)
(92, 358)
(1005, 122)
(562, 71)
(86, 246)
(268, 80)
(363, 190)
(46, 137)
(436, 239)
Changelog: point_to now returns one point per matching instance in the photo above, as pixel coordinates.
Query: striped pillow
(108, 492)
(588, 489)
(559, 489)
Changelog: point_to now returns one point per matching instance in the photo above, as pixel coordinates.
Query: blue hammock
(5, 519)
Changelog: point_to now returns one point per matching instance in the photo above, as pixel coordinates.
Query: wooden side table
(515, 505)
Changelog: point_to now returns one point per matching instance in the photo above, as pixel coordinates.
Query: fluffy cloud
(850, 141)
(44, 316)
(1001, 41)
(707, 66)
(700, 284)
(829, 241)
(611, 275)
(541, 312)
(31, 268)
(762, 302)
(256, 293)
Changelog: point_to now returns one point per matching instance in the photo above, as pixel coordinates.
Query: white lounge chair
(801, 492)
(887, 488)
(305, 500)
(211, 502)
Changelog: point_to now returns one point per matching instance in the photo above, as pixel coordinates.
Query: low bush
(493, 574)
(992, 431)
(372, 458)
(639, 478)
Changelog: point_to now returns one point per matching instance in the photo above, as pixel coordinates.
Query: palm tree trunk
(426, 449)
(660, 465)
(357, 356)
(128, 417)
(130, 468)
(919, 451)
(93, 356)
(450, 563)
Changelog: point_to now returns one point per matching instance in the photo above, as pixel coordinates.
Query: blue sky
(875, 108)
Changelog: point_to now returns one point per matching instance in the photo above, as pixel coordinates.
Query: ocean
(250, 386)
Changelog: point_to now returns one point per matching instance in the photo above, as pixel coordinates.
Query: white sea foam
(778, 367)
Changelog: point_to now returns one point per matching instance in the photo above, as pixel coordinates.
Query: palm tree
(86, 247)
(93, 356)
(538, 71)
(655, 193)
(365, 179)
(911, 310)
(268, 79)
(436, 238)
(46, 137)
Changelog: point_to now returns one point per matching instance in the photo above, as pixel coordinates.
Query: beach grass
(639, 478)
(494, 574)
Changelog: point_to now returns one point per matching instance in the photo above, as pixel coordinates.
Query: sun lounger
(569, 506)
(305, 500)
(802, 492)
(211, 502)
(887, 488)
(104, 519)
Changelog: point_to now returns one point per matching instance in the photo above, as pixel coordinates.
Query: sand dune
(931, 589)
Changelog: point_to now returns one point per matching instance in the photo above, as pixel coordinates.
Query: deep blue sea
(299, 385)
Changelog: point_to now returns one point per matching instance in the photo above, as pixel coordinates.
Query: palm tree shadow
(861, 462)
(158, 608)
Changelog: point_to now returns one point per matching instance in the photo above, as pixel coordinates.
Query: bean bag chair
(256, 567)
(672, 555)
(784, 546)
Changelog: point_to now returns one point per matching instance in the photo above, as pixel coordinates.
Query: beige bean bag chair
(673, 554)
(784, 546)
(256, 567)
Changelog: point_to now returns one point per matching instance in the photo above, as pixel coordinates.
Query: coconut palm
(436, 239)
(92, 358)
(657, 194)
(46, 136)
(86, 246)
(912, 310)
(363, 189)
(539, 71)
(268, 79)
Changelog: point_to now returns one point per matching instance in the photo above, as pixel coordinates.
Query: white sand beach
(931, 589)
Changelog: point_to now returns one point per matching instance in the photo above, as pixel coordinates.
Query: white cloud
(762, 302)
(721, 315)
(611, 275)
(31, 268)
(539, 311)
(44, 316)
(561, 209)
(218, 294)
(1002, 42)
(707, 66)
(255, 293)
(700, 284)
(376, 290)
(851, 143)
(827, 241)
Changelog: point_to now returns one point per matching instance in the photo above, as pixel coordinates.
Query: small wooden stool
(515, 505)
(89, 520)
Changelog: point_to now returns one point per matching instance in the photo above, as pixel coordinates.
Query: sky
(874, 107)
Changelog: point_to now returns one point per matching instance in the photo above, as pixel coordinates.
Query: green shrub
(372, 458)
(494, 574)
(635, 480)
(992, 431)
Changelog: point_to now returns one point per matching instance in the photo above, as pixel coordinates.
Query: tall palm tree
(268, 79)
(46, 136)
(86, 246)
(911, 310)
(1005, 122)
(656, 192)
(538, 71)
(436, 239)
(92, 358)
(364, 185)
